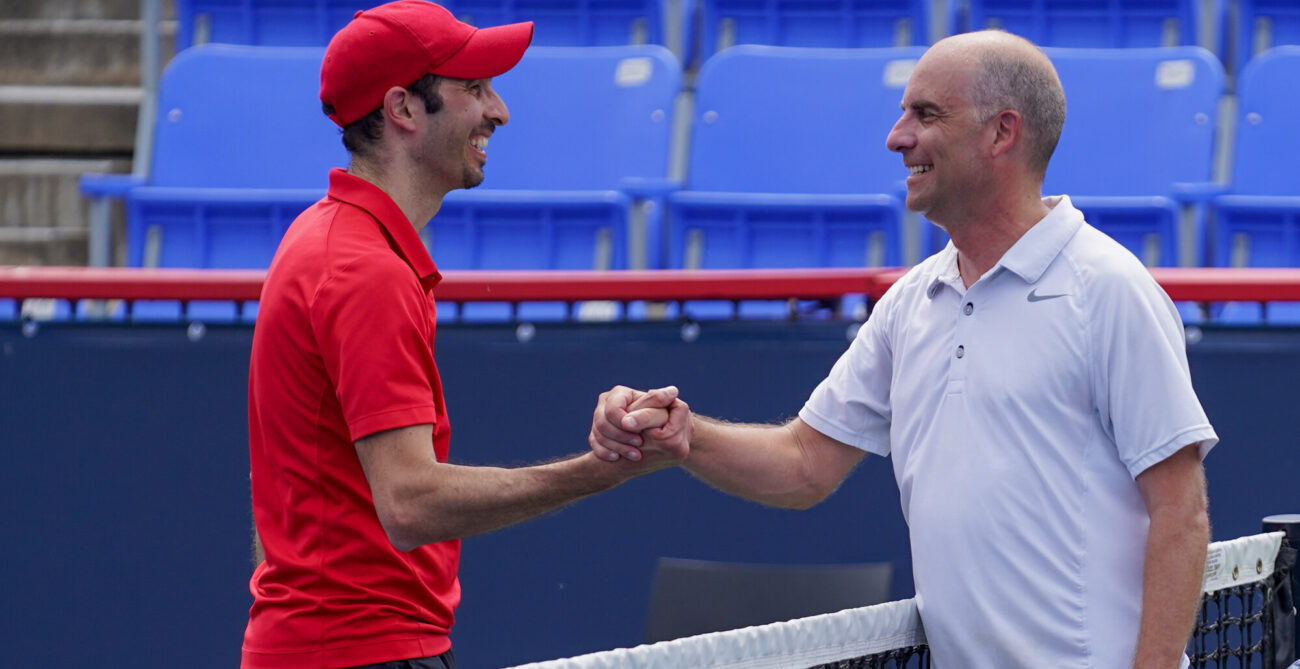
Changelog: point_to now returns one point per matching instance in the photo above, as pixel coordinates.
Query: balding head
(1011, 73)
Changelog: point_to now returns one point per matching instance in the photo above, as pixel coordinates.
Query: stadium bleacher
(556, 200)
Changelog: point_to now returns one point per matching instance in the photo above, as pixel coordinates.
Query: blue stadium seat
(576, 179)
(832, 23)
(1136, 155)
(1106, 24)
(1258, 223)
(1263, 24)
(799, 178)
(314, 22)
(240, 149)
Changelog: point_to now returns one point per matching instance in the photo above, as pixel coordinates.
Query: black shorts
(444, 661)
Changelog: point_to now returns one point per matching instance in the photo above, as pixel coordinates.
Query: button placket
(963, 325)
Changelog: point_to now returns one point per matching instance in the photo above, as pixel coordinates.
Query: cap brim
(489, 52)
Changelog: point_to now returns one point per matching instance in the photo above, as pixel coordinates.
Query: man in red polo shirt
(356, 506)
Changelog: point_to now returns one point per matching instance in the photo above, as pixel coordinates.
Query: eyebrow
(920, 105)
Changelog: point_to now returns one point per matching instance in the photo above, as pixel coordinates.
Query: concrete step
(76, 52)
(43, 216)
(78, 9)
(68, 119)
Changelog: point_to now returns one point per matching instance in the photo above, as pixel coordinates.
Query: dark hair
(360, 137)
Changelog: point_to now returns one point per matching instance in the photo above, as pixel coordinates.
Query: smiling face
(940, 136)
(454, 144)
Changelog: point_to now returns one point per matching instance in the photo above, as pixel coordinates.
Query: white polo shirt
(1018, 414)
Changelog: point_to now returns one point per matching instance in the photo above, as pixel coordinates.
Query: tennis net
(1246, 617)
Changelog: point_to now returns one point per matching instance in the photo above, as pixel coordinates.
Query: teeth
(479, 142)
(919, 169)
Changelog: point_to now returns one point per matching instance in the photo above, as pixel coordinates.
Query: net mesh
(1246, 607)
(1240, 624)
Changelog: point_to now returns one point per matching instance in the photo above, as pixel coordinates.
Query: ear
(1006, 127)
(401, 107)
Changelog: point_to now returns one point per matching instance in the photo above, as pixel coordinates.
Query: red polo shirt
(343, 348)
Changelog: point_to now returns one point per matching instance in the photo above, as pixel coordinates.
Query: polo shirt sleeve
(851, 405)
(1141, 379)
(372, 324)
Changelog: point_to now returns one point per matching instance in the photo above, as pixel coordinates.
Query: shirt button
(968, 308)
(961, 351)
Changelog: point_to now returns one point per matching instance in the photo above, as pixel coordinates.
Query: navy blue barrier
(126, 499)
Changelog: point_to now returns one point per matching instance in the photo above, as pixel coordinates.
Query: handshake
(652, 427)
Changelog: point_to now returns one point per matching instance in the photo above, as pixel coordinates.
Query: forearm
(769, 464)
(1171, 585)
(454, 501)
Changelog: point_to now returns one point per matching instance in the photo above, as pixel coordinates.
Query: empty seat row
(786, 164)
(696, 29)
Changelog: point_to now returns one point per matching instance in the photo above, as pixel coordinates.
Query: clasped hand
(636, 425)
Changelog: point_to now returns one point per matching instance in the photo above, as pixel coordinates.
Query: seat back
(799, 120)
(788, 166)
(1259, 223)
(1267, 130)
(1138, 120)
(240, 148)
(584, 118)
(233, 116)
(835, 24)
(1113, 24)
(697, 596)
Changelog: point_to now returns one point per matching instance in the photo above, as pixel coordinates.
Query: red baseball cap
(397, 43)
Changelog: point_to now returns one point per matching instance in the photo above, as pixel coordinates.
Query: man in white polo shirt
(1030, 383)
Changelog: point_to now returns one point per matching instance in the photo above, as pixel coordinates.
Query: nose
(496, 110)
(900, 137)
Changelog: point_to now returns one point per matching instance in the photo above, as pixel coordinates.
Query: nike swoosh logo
(1035, 297)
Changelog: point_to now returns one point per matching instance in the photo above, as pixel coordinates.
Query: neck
(981, 240)
(416, 199)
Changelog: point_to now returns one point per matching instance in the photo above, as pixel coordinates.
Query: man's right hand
(633, 424)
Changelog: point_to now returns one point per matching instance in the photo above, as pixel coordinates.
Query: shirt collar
(1029, 257)
(945, 272)
(364, 195)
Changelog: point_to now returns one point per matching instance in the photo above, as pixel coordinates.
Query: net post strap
(808, 641)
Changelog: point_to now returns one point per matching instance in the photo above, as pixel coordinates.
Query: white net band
(809, 641)
(855, 633)
(1240, 561)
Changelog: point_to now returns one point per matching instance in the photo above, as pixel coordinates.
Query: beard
(471, 177)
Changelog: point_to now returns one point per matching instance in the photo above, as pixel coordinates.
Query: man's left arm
(1174, 567)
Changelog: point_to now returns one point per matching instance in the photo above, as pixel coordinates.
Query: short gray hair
(1005, 79)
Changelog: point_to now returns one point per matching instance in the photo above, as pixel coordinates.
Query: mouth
(913, 170)
(479, 144)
